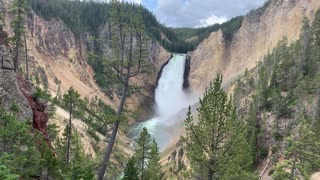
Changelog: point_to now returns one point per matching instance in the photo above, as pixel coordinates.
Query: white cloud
(210, 20)
(191, 13)
(134, 1)
(130, 1)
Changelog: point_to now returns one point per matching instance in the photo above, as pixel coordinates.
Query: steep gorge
(64, 57)
(259, 34)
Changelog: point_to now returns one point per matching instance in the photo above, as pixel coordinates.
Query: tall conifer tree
(19, 9)
(213, 145)
(71, 100)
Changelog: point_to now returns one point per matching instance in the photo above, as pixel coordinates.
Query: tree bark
(69, 136)
(27, 62)
(125, 88)
(16, 57)
(113, 135)
(142, 163)
(210, 171)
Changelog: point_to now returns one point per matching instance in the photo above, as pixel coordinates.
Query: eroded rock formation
(9, 91)
(16, 91)
(260, 32)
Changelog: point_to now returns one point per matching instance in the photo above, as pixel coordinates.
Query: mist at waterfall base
(171, 103)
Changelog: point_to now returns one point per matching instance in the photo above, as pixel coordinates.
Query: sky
(196, 13)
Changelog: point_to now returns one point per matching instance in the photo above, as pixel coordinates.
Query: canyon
(61, 59)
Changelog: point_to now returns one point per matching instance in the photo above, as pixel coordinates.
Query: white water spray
(170, 99)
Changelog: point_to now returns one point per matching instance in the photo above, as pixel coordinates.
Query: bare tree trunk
(142, 162)
(69, 136)
(16, 57)
(210, 171)
(27, 62)
(118, 116)
(113, 135)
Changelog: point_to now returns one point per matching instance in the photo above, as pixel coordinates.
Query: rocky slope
(260, 32)
(62, 57)
(59, 59)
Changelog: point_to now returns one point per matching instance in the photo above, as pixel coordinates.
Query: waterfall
(169, 95)
(170, 99)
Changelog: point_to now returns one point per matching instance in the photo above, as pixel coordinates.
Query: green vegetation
(70, 100)
(79, 16)
(19, 9)
(24, 152)
(89, 16)
(78, 165)
(276, 112)
(145, 162)
(18, 152)
(131, 172)
(216, 146)
(285, 87)
(303, 152)
(228, 29)
(126, 62)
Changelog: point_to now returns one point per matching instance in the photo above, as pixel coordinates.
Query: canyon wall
(260, 32)
(56, 53)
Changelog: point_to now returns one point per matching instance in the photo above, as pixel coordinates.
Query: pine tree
(154, 166)
(316, 29)
(212, 144)
(6, 174)
(142, 152)
(80, 166)
(18, 146)
(19, 9)
(126, 62)
(254, 127)
(71, 100)
(302, 152)
(49, 163)
(131, 172)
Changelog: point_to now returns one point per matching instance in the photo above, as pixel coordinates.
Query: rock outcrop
(40, 115)
(260, 32)
(16, 91)
(10, 94)
(3, 36)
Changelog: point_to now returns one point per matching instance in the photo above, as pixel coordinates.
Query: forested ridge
(283, 92)
(89, 16)
(273, 115)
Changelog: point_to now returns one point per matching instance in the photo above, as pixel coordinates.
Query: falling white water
(170, 99)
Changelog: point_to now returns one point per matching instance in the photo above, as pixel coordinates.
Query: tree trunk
(125, 88)
(210, 171)
(27, 62)
(16, 57)
(142, 163)
(293, 169)
(113, 134)
(69, 136)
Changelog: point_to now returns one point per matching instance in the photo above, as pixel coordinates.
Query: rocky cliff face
(10, 94)
(61, 58)
(259, 33)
